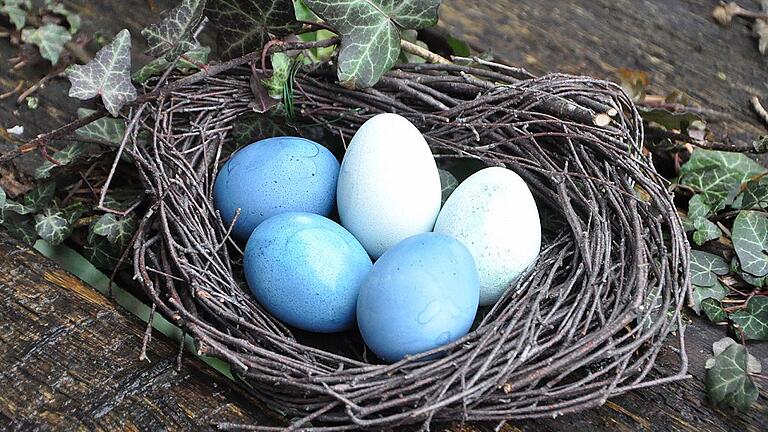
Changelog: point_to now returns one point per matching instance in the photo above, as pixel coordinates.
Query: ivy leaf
(755, 194)
(105, 129)
(706, 230)
(39, 197)
(718, 347)
(304, 13)
(458, 47)
(713, 309)
(715, 175)
(108, 75)
(697, 208)
(52, 226)
(198, 54)
(174, 34)
(73, 19)
(717, 291)
(754, 320)
(411, 36)
(748, 278)
(728, 382)
(49, 38)
(101, 253)
(370, 35)
(21, 229)
(448, 182)
(281, 67)
(750, 240)
(118, 230)
(17, 15)
(705, 267)
(669, 119)
(64, 156)
(246, 25)
(253, 127)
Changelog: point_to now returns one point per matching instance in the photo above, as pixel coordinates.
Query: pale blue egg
(421, 294)
(306, 270)
(273, 176)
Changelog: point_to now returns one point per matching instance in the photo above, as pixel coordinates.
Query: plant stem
(759, 109)
(424, 53)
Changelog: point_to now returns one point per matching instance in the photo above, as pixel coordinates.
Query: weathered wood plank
(69, 360)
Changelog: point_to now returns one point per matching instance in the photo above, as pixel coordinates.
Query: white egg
(493, 213)
(388, 187)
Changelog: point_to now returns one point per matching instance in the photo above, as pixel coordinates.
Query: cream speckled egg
(493, 213)
(388, 187)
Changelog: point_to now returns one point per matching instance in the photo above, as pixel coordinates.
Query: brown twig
(759, 109)
(10, 93)
(422, 52)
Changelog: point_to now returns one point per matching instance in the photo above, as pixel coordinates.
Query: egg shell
(273, 176)
(306, 270)
(494, 214)
(389, 187)
(421, 294)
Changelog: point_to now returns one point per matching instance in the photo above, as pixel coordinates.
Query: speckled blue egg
(273, 176)
(421, 294)
(306, 270)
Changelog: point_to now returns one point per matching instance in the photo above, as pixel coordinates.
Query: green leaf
(411, 36)
(706, 230)
(281, 67)
(174, 34)
(370, 35)
(448, 182)
(73, 19)
(755, 194)
(750, 240)
(717, 291)
(716, 175)
(760, 144)
(21, 228)
(253, 127)
(64, 156)
(246, 25)
(718, 347)
(458, 47)
(49, 38)
(199, 55)
(108, 75)
(748, 278)
(705, 267)
(668, 119)
(101, 253)
(105, 129)
(754, 320)
(15, 12)
(118, 230)
(697, 208)
(53, 226)
(728, 382)
(713, 309)
(303, 13)
(40, 196)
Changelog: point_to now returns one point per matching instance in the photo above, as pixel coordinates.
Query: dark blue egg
(273, 176)
(306, 270)
(421, 294)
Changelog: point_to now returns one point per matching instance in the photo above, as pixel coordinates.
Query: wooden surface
(69, 356)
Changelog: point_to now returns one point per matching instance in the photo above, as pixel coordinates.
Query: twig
(759, 109)
(424, 53)
(710, 145)
(12, 92)
(41, 82)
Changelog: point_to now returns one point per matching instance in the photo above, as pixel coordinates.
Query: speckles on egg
(272, 176)
(494, 214)
(306, 270)
(389, 186)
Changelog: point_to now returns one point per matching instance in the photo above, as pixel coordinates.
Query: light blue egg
(306, 270)
(273, 176)
(421, 294)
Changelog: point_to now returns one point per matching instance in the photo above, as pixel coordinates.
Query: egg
(388, 187)
(421, 294)
(273, 176)
(306, 270)
(494, 214)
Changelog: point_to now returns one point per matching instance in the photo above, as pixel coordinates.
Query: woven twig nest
(585, 324)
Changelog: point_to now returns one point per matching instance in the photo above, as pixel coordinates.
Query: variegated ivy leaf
(118, 230)
(753, 321)
(246, 25)
(16, 11)
(697, 208)
(370, 33)
(717, 175)
(101, 253)
(64, 156)
(34, 201)
(755, 195)
(21, 228)
(718, 347)
(52, 226)
(73, 19)
(198, 55)
(108, 75)
(281, 67)
(174, 34)
(713, 309)
(728, 381)
(706, 230)
(49, 38)
(705, 267)
(716, 291)
(748, 278)
(750, 240)
(105, 129)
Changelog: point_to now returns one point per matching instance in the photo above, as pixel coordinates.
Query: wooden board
(71, 355)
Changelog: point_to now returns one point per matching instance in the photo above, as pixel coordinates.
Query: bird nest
(586, 323)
